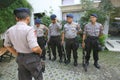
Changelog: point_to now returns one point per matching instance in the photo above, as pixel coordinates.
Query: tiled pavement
(57, 71)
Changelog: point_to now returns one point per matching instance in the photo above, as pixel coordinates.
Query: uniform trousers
(55, 42)
(72, 45)
(29, 65)
(91, 43)
(41, 41)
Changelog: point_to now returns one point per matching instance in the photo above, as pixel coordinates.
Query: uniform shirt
(22, 37)
(71, 30)
(40, 30)
(93, 30)
(54, 29)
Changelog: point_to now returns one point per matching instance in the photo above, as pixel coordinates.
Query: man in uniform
(91, 33)
(71, 29)
(40, 30)
(54, 37)
(21, 40)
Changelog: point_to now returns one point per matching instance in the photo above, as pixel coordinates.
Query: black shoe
(67, 62)
(49, 58)
(87, 63)
(75, 63)
(44, 58)
(97, 65)
(60, 60)
(53, 59)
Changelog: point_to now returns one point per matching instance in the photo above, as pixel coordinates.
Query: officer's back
(18, 36)
(21, 40)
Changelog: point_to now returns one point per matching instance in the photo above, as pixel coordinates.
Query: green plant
(87, 4)
(102, 39)
(46, 20)
(7, 18)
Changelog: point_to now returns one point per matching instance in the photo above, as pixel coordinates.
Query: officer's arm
(101, 30)
(79, 29)
(84, 37)
(59, 25)
(48, 33)
(12, 50)
(37, 49)
(63, 36)
(84, 34)
(8, 44)
(32, 42)
(46, 29)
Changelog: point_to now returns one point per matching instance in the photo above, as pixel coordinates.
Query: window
(67, 2)
(76, 18)
(97, 0)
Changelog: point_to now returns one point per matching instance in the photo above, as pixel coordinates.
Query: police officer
(54, 37)
(41, 30)
(21, 40)
(71, 29)
(91, 33)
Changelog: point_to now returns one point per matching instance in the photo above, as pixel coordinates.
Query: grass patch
(110, 59)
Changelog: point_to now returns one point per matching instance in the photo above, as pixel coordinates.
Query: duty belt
(54, 36)
(92, 37)
(70, 38)
(25, 54)
(41, 37)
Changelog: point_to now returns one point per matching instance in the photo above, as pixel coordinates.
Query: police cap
(95, 15)
(70, 15)
(53, 16)
(37, 21)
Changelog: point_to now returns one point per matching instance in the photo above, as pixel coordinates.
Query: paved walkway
(57, 71)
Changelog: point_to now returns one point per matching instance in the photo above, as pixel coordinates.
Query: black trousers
(41, 41)
(91, 43)
(29, 65)
(55, 42)
(72, 45)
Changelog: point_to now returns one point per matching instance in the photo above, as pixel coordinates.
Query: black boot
(87, 63)
(60, 60)
(44, 58)
(97, 65)
(54, 58)
(67, 62)
(75, 62)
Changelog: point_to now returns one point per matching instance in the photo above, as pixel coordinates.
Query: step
(113, 45)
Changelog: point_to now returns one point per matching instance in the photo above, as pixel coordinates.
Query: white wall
(42, 5)
(77, 1)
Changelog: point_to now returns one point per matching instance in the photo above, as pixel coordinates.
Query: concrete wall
(116, 3)
(40, 6)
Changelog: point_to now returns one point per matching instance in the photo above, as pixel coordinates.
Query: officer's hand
(62, 42)
(48, 41)
(83, 45)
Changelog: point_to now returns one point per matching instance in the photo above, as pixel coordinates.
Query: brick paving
(57, 71)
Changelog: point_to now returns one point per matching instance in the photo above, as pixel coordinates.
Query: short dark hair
(22, 15)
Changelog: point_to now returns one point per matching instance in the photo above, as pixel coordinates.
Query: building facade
(74, 7)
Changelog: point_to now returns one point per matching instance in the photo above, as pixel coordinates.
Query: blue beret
(53, 16)
(25, 10)
(70, 15)
(95, 15)
(37, 21)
